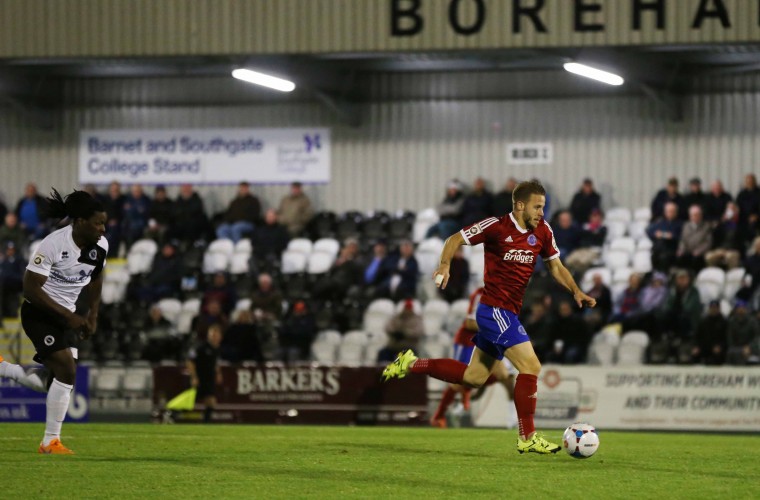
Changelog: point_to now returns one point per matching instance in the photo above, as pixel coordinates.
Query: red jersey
(464, 335)
(510, 257)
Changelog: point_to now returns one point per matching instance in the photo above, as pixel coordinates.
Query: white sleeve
(42, 260)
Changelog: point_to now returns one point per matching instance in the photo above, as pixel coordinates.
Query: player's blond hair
(525, 189)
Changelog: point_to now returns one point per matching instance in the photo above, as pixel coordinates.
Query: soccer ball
(580, 440)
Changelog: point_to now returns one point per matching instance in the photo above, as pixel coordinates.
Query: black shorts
(47, 331)
(205, 389)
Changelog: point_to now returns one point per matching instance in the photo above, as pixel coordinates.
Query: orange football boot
(55, 448)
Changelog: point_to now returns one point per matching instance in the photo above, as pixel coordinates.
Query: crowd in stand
(377, 259)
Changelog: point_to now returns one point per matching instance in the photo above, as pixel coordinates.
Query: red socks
(448, 370)
(446, 398)
(526, 392)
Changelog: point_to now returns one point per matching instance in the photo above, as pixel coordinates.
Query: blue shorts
(498, 330)
(463, 353)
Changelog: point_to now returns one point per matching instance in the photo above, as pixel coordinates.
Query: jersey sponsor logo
(532, 239)
(82, 276)
(38, 259)
(49, 340)
(521, 256)
(509, 239)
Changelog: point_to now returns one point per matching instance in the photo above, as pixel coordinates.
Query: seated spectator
(695, 196)
(32, 213)
(748, 201)
(652, 298)
(710, 338)
(592, 236)
(269, 240)
(540, 323)
(570, 343)
(163, 280)
(222, 291)
(295, 210)
(727, 242)
(404, 331)
(596, 317)
(716, 202)
(241, 341)
(266, 301)
(212, 314)
(459, 278)
(567, 235)
(665, 234)
(298, 332)
(114, 205)
(502, 201)
(585, 201)
(136, 208)
(664, 196)
(191, 223)
(11, 232)
(695, 241)
(449, 212)
(372, 271)
(161, 215)
(477, 205)
(162, 342)
(628, 303)
(677, 321)
(400, 274)
(743, 335)
(344, 277)
(12, 268)
(241, 216)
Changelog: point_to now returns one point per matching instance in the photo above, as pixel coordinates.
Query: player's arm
(449, 249)
(562, 276)
(34, 293)
(94, 289)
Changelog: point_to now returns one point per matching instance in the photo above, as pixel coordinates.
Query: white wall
(404, 152)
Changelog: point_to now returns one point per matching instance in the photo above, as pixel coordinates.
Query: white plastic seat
(644, 243)
(293, 262)
(615, 229)
(359, 337)
(375, 321)
(170, 309)
(382, 305)
(422, 222)
(457, 314)
(416, 305)
(710, 282)
(632, 349)
(434, 314)
(615, 259)
(642, 261)
(330, 246)
(329, 337)
(637, 229)
(302, 245)
(324, 352)
(140, 256)
(223, 246)
(642, 214)
(243, 304)
(734, 279)
(137, 383)
(240, 263)
(319, 263)
(109, 382)
(625, 243)
(244, 247)
(350, 354)
(619, 214)
(587, 281)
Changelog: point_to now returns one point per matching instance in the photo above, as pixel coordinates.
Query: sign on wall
(19, 404)
(530, 153)
(213, 156)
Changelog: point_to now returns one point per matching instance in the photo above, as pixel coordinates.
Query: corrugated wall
(405, 152)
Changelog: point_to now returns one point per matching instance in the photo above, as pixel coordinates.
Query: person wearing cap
(295, 210)
(694, 196)
(743, 335)
(449, 212)
(710, 338)
(669, 194)
(404, 331)
(585, 200)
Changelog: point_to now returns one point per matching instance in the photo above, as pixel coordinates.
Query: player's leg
(209, 403)
(63, 368)
(33, 379)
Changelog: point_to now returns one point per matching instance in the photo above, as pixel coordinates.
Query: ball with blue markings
(580, 440)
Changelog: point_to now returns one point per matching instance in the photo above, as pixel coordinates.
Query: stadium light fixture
(264, 80)
(593, 73)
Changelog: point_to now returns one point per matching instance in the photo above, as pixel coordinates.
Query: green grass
(193, 461)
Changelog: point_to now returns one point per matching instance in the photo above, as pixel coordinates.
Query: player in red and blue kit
(513, 244)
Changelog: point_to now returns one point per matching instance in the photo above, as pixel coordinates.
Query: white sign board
(212, 156)
(645, 397)
(530, 153)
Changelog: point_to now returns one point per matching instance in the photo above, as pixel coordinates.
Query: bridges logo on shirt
(521, 256)
(38, 259)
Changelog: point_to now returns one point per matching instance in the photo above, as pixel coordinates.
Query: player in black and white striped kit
(66, 262)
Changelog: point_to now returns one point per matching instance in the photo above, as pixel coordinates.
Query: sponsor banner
(303, 394)
(533, 153)
(210, 156)
(19, 404)
(647, 397)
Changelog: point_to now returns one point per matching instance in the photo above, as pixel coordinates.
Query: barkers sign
(222, 156)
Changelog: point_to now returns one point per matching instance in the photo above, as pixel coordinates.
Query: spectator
(241, 216)
(567, 235)
(752, 264)
(743, 335)
(459, 278)
(162, 342)
(404, 331)
(205, 373)
(449, 212)
(585, 201)
(344, 277)
(266, 300)
(191, 223)
(163, 280)
(114, 205)
(220, 291)
(298, 332)
(652, 297)
(665, 234)
(677, 321)
(597, 316)
(212, 314)
(477, 205)
(11, 232)
(373, 271)
(136, 209)
(748, 201)
(400, 274)
(695, 241)
(32, 213)
(12, 268)
(664, 196)
(710, 338)
(716, 202)
(628, 303)
(241, 341)
(695, 196)
(295, 210)
(572, 339)
(270, 239)
(592, 236)
(160, 215)
(502, 201)
(541, 324)
(728, 246)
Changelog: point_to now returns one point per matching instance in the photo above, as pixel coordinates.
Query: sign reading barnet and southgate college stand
(209, 156)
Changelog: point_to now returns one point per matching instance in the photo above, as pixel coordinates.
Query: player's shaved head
(525, 189)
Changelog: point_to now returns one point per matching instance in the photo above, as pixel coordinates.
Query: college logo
(49, 340)
(521, 256)
(532, 239)
(38, 259)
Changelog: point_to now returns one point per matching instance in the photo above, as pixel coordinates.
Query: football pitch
(221, 461)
